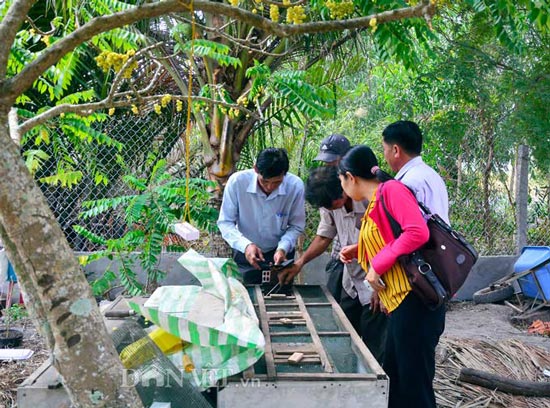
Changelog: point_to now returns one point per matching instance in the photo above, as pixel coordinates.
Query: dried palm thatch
(511, 358)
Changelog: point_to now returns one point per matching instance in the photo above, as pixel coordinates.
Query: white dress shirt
(248, 215)
(428, 186)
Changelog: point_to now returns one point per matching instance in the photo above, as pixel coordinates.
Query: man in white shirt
(402, 142)
(262, 213)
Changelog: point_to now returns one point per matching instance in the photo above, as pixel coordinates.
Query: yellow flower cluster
(179, 105)
(107, 60)
(373, 23)
(111, 111)
(340, 10)
(295, 15)
(286, 2)
(135, 109)
(165, 100)
(157, 108)
(274, 12)
(242, 100)
(234, 3)
(234, 113)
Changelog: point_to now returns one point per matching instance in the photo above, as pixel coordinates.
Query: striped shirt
(370, 243)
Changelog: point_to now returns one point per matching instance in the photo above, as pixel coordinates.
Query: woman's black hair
(272, 162)
(323, 187)
(360, 161)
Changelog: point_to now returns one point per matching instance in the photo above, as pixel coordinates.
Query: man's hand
(349, 253)
(253, 255)
(286, 275)
(374, 279)
(279, 256)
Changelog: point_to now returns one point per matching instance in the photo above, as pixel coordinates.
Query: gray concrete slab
(487, 270)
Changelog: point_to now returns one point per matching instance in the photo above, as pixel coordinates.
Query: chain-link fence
(483, 198)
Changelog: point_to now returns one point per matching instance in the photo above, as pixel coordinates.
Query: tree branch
(8, 30)
(85, 109)
(18, 84)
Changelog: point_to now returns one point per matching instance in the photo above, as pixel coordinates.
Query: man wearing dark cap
(332, 149)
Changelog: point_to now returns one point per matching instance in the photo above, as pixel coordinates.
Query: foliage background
(478, 84)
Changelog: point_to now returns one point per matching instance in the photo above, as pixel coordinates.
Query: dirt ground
(465, 320)
(492, 322)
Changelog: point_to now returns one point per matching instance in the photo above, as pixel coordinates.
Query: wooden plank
(358, 346)
(333, 333)
(305, 360)
(284, 313)
(317, 303)
(290, 348)
(317, 377)
(293, 323)
(269, 362)
(249, 372)
(327, 366)
(281, 304)
(329, 377)
(290, 333)
(295, 358)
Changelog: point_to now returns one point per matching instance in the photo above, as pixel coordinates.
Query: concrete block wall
(487, 270)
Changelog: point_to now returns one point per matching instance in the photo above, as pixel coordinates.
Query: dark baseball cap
(333, 148)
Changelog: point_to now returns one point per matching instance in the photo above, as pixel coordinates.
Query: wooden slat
(318, 377)
(249, 372)
(269, 362)
(329, 377)
(358, 346)
(293, 322)
(281, 304)
(333, 333)
(290, 348)
(305, 360)
(290, 333)
(317, 303)
(284, 313)
(327, 366)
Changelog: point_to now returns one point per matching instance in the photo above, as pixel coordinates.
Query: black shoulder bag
(439, 268)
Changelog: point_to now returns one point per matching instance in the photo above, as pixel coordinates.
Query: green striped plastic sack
(218, 319)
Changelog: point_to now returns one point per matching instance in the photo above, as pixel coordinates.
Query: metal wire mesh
(482, 194)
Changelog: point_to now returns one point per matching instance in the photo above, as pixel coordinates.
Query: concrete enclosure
(487, 270)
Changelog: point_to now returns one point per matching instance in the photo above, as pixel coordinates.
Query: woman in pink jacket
(413, 329)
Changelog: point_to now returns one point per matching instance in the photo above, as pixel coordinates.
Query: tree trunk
(57, 293)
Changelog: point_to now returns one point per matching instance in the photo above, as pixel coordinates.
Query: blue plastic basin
(537, 258)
